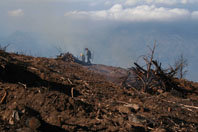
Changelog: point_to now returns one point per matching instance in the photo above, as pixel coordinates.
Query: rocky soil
(43, 94)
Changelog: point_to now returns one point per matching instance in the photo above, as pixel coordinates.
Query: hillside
(45, 94)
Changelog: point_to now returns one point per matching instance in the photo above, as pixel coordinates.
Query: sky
(117, 32)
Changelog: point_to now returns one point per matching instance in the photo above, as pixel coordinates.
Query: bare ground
(42, 94)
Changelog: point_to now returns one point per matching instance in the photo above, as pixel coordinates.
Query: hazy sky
(117, 31)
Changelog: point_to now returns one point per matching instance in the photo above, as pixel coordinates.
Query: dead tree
(4, 48)
(154, 78)
(180, 64)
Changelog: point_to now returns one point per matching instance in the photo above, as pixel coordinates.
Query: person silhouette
(88, 55)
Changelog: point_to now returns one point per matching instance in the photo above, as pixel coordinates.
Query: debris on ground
(44, 94)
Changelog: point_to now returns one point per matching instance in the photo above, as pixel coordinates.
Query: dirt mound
(42, 94)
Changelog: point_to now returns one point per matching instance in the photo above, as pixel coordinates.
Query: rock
(124, 109)
(54, 118)
(14, 117)
(11, 121)
(33, 123)
(133, 106)
(136, 119)
(160, 91)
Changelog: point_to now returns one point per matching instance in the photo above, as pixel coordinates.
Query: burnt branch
(153, 78)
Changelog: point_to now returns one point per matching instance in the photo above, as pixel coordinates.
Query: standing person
(82, 57)
(88, 55)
